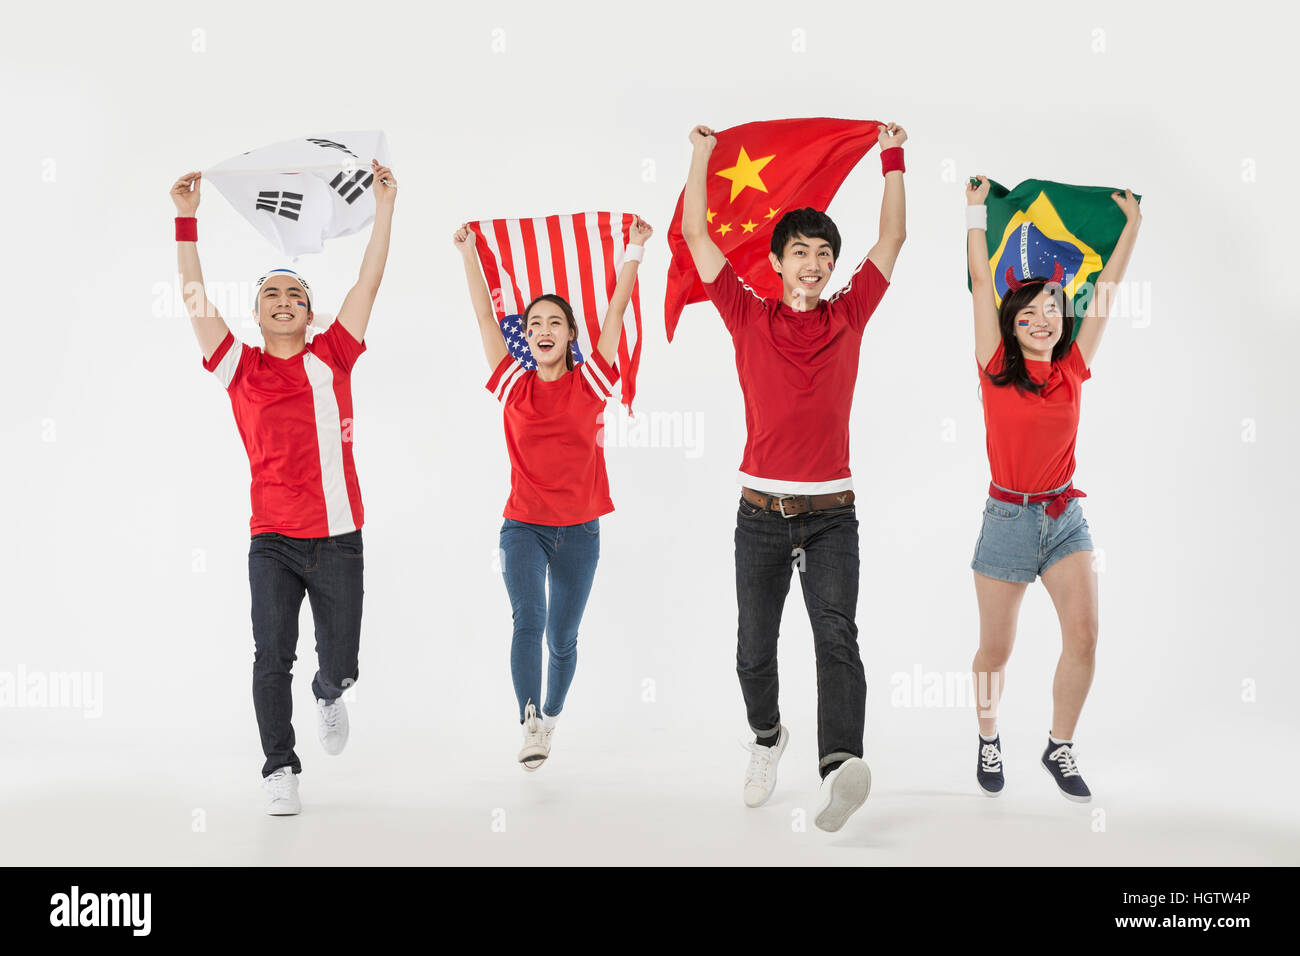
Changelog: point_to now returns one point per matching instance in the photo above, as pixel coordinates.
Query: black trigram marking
(351, 187)
(283, 204)
(330, 144)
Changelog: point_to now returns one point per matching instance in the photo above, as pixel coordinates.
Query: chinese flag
(757, 173)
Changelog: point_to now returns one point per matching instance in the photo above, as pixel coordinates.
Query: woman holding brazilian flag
(1029, 274)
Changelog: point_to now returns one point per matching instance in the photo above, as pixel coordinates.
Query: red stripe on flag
(529, 238)
(507, 262)
(586, 279)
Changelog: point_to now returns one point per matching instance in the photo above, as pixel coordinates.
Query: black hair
(1014, 371)
(809, 222)
(568, 315)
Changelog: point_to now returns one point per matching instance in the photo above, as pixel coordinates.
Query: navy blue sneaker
(1058, 760)
(989, 771)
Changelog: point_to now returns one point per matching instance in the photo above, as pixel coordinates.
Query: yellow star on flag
(724, 229)
(745, 173)
(748, 226)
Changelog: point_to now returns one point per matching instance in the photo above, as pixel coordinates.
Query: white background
(126, 486)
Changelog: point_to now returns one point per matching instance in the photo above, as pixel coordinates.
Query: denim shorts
(1019, 542)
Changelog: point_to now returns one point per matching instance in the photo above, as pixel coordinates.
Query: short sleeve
(336, 347)
(226, 360)
(735, 301)
(995, 360)
(598, 375)
(863, 293)
(1077, 364)
(504, 377)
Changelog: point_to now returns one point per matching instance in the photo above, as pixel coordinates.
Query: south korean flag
(300, 192)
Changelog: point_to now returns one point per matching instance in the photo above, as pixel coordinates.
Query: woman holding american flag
(553, 405)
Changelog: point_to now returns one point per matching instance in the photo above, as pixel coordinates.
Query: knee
(562, 648)
(992, 658)
(271, 664)
(1080, 636)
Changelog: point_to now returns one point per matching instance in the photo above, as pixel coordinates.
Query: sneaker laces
(990, 758)
(332, 715)
(1064, 757)
(279, 783)
(760, 763)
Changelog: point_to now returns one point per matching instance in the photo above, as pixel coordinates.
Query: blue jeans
(530, 554)
(280, 571)
(823, 545)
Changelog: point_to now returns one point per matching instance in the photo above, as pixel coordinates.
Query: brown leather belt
(790, 505)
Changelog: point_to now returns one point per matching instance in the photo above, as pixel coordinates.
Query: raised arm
(209, 327)
(709, 259)
(987, 333)
(893, 208)
(354, 313)
(494, 344)
(612, 328)
(1094, 322)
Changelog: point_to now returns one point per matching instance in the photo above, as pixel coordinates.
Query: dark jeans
(532, 554)
(828, 563)
(280, 571)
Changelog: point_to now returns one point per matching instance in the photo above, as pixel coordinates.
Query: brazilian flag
(1040, 224)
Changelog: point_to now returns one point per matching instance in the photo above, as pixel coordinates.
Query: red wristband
(891, 159)
(187, 229)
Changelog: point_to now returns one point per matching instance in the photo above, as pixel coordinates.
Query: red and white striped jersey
(295, 418)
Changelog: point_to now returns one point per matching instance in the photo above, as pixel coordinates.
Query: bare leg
(1072, 583)
(999, 604)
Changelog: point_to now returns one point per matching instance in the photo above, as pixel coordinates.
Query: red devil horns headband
(1058, 273)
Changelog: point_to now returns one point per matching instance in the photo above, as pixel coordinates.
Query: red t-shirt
(1031, 436)
(295, 417)
(797, 372)
(557, 462)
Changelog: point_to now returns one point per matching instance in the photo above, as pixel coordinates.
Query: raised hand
(464, 240)
(702, 137)
(976, 195)
(640, 232)
(385, 184)
(185, 194)
(891, 134)
(1126, 202)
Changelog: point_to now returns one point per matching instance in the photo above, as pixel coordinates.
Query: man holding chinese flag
(797, 358)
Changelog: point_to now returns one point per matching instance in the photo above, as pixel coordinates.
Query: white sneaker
(332, 724)
(760, 775)
(844, 789)
(535, 750)
(281, 788)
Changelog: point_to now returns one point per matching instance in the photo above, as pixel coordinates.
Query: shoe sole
(771, 789)
(1069, 796)
(284, 813)
(989, 793)
(848, 793)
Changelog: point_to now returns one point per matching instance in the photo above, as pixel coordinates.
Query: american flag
(577, 257)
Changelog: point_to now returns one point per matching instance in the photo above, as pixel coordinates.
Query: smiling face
(805, 266)
(283, 308)
(1039, 324)
(547, 330)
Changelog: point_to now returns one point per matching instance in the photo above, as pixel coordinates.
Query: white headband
(301, 281)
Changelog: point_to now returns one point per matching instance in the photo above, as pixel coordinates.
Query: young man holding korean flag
(292, 401)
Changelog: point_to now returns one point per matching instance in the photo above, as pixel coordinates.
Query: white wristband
(634, 253)
(977, 217)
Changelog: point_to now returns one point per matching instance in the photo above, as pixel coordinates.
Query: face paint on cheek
(1023, 323)
(303, 304)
